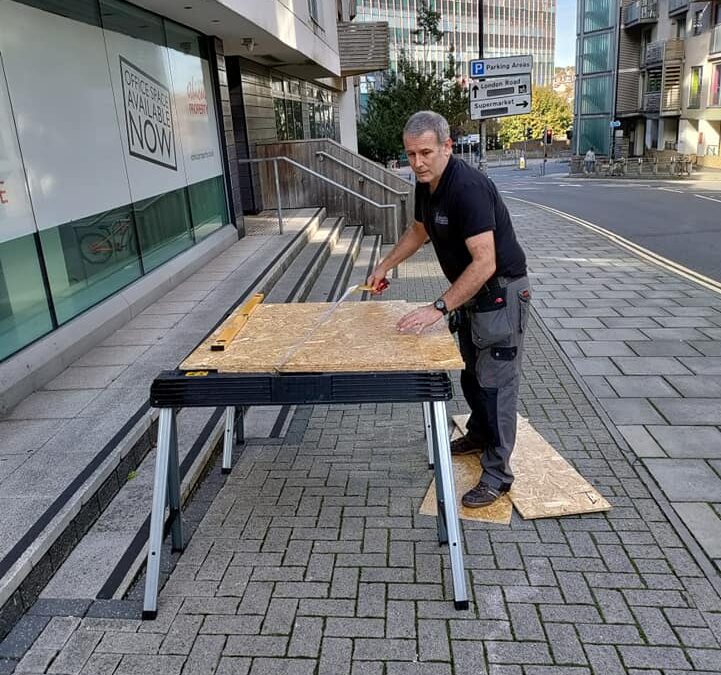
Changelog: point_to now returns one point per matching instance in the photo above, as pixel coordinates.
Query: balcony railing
(677, 7)
(663, 51)
(714, 46)
(641, 11)
(652, 101)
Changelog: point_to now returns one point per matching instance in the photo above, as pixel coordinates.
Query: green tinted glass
(597, 54)
(163, 227)
(24, 312)
(207, 206)
(90, 259)
(595, 95)
(598, 14)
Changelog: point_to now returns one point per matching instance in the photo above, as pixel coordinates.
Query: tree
(380, 133)
(549, 111)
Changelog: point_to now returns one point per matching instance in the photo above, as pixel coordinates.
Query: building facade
(120, 129)
(597, 22)
(510, 27)
(655, 72)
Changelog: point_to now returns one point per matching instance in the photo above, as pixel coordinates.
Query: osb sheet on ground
(545, 484)
(466, 473)
(307, 337)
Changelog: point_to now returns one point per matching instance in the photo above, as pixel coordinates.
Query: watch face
(440, 305)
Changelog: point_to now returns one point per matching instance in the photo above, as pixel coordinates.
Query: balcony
(663, 51)
(640, 12)
(676, 7)
(652, 102)
(714, 46)
(362, 47)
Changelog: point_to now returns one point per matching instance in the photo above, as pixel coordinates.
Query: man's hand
(419, 319)
(378, 274)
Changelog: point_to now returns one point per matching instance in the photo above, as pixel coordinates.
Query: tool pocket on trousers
(524, 306)
(490, 322)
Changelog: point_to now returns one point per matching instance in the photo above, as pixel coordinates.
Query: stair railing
(325, 179)
(403, 194)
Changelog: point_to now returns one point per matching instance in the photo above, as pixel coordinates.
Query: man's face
(427, 157)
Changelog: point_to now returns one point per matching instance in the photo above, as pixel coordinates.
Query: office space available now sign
(148, 117)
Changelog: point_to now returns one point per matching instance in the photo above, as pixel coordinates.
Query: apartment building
(120, 128)
(653, 69)
(510, 27)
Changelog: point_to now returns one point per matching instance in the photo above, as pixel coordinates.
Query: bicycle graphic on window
(97, 247)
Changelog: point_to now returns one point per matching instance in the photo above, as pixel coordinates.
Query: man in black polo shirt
(461, 211)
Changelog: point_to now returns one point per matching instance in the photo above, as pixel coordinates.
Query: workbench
(300, 354)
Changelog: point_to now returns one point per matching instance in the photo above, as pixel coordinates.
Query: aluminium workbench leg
(443, 459)
(440, 498)
(166, 445)
(228, 439)
(176, 519)
(428, 431)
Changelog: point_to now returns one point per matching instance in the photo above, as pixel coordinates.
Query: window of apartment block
(597, 53)
(715, 98)
(698, 21)
(288, 109)
(313, 9)
(681, 28)
(694, 94)
(598, 14)
(596, 95)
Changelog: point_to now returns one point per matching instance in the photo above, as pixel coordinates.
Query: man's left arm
(481, 268)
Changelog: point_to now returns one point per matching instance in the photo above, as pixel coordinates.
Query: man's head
(427, 140)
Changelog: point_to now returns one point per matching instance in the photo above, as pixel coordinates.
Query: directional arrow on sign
(475, 91)
(523, 103)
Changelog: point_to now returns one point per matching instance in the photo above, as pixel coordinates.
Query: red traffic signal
(549, 136)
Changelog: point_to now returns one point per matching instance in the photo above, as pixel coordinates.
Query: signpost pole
(482, 124)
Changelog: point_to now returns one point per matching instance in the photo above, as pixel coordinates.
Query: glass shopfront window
(89, 259)
(24, 312)
(112, 190)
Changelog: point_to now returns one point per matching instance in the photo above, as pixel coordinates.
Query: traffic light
(549, 136)
(569, 134)
(529, 133)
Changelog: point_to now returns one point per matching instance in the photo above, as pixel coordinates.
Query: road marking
(640, 251)
(711, 199)
(670, 190)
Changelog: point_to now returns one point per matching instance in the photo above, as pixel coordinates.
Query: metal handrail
(400, 193)
(292, 162)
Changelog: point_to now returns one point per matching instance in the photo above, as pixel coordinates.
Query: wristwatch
(440, 305)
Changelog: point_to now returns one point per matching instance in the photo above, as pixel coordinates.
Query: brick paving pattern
(313, 559)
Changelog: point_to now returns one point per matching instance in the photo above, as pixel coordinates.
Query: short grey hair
(427, 120)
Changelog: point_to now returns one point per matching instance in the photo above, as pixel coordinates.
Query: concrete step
(334, 277)
(369, 254)
(300, 276)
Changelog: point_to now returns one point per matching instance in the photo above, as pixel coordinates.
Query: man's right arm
(411, 240)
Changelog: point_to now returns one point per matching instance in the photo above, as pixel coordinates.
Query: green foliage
(549, 110)
(380, 133)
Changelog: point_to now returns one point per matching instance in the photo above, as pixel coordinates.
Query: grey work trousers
(490, 334)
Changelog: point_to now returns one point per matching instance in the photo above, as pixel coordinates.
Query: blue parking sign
(478, 68)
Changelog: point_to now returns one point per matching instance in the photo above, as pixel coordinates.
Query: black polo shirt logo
(440, 218)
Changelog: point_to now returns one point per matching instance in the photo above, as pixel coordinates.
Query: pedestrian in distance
(488, 300)
(589, 161)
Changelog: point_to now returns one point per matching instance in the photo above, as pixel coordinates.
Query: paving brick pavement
(313, 558)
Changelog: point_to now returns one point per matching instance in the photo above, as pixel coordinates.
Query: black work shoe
(481, 495)
(465, 446)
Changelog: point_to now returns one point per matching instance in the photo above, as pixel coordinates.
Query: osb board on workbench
(545, 484)
(308, 337)
(466, 474)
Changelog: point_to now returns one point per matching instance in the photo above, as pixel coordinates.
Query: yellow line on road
(640, 251)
